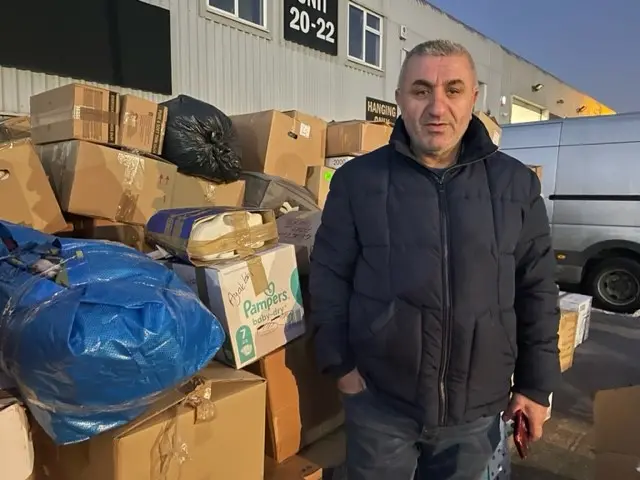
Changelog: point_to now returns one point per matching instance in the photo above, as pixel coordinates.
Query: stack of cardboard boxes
(93, 170)
(99, 151)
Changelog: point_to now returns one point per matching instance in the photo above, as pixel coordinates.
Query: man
(432, 284)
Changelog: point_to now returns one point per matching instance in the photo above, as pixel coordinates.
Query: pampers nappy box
(257, 299)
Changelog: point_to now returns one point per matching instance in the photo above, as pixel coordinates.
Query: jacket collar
(476, 143)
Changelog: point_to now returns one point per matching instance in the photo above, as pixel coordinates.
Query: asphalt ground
(610, 358)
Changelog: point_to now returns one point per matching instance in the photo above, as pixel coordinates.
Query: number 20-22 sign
(312, 23)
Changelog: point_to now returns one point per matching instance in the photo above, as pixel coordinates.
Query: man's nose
(438, 104)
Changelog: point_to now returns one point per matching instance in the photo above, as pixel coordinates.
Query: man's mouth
(435, 126)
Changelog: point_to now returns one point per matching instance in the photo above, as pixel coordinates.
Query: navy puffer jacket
(437, 289)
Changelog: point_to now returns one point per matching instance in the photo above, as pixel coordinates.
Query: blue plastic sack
(93, 332)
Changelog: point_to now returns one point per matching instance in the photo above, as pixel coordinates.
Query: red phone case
(521, 434)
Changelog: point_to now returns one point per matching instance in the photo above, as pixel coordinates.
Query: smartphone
(521, 434)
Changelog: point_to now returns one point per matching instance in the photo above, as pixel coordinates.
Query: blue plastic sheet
(93, 332)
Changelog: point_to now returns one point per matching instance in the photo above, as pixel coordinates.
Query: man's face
(436, 98)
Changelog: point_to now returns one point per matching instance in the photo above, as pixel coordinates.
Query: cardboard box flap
(617, 422)
(195, 393)
(26, 196)
(15, 128)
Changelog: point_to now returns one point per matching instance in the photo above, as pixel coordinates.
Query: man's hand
(352, 383)
(535, 413)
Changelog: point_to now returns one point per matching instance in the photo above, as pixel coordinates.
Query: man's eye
(453, 92)
(420, 93)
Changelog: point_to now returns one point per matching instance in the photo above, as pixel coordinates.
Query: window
(365, 36)
(246, 11)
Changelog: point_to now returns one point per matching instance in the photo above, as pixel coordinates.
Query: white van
(591, 186)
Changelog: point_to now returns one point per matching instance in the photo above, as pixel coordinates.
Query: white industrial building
(324, 57)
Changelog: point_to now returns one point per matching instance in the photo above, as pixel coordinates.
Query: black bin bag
(201, 140)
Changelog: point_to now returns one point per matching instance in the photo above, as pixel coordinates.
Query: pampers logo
(271, 300)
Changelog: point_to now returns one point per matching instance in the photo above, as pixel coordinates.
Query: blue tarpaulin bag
(93, 332)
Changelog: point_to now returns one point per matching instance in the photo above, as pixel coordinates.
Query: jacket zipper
(446, 304)
(446, 291)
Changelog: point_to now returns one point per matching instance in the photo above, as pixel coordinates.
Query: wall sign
(313, 24)
(381, 111)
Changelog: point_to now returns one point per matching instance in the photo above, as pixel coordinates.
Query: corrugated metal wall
(242, 72)
(234, 70)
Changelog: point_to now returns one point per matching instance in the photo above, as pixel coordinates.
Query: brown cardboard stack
(25, 194)
(580, 304)
(567, 338)
(490, 123)
(302, 405)
(94, 145)
(345, 140)
(99, 149)
(213, 427)
(617, 443)
(259, 300)
(281, 144)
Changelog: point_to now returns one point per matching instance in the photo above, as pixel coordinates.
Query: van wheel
(615, 284)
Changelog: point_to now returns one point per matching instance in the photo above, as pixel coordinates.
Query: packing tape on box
(171, 449)
(14, 129)
(54, 160)
(240, 240)
(132, 185)
(86, 113)
(13, 143)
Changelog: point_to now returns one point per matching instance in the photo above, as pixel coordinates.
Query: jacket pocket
(387, 342)
(492, 361)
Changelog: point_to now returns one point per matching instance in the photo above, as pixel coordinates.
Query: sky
(593, 45)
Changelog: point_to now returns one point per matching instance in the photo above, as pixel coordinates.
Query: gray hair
(437, 48)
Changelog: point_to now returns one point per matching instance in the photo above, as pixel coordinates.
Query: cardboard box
(98, 229)
(198, 192)
(175, 230)
(299, 229)
(212, 431)
(103, 182)
(276, 144)
(16, 128)
(294, 468)
(258, 315)
(581, 304)
(142, 124)
(75, 111)
(356, 137)
(567, 338)
(26, 196)
(16, 448)
(537, 170)
(303, 406)
(494, 130)
(617, 444)
(327, 454)
(318, 182)
(337, 162)
(317, 133)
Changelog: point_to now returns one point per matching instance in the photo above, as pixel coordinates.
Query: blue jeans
(382, 444)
